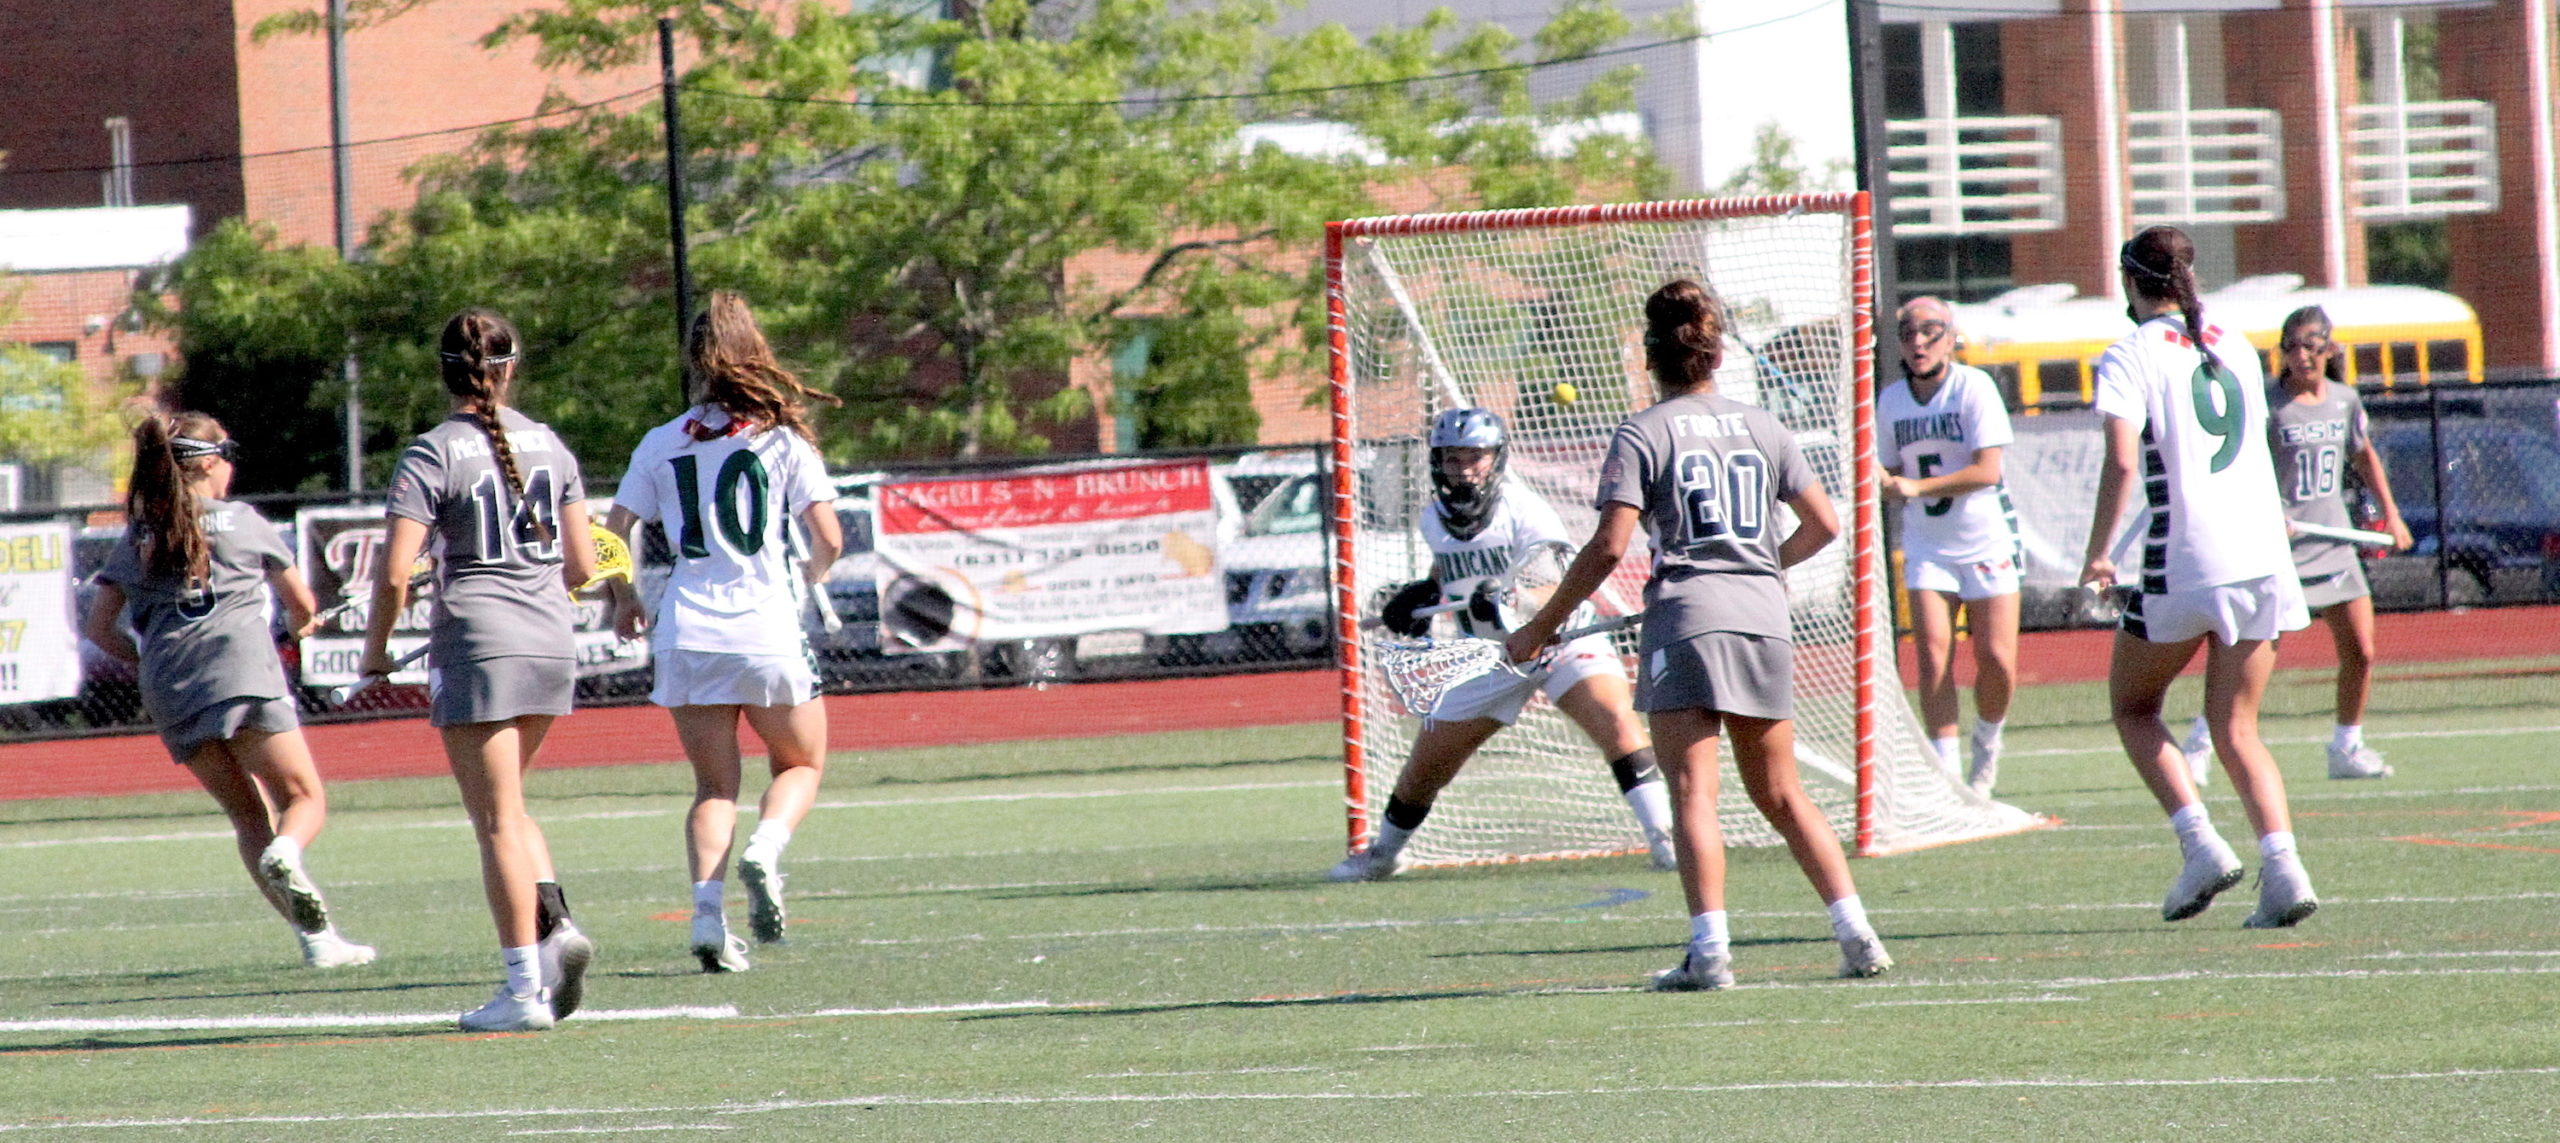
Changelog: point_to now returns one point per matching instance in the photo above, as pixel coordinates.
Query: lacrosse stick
(1423, 671)
(421, 570)
(344, 694)
(613, 559)
(2346, 535)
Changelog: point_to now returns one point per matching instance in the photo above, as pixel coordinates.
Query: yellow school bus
(2042, 342)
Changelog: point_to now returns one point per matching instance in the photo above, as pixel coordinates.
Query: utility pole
(675, 202)
(1866, 101)
(342, 195)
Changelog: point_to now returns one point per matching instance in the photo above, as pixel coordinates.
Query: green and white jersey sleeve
(2206, 475)
(728, 497)
(1920, 439)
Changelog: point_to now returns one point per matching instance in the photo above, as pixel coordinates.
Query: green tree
(49, 411)
(910, 249)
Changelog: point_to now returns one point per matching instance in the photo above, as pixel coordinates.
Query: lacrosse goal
(1537, 315)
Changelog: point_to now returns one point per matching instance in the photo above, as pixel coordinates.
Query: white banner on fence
(2052, 473)
(1116, 547)
(340, 549)
(39, 643)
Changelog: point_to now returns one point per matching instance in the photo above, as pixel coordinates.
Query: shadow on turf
(269, 1039)
(264, 993)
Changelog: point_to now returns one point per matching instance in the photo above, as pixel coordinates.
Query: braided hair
(2160, 262)
(478, 353)
(736, 370)
(159, 499)
(1683, 336)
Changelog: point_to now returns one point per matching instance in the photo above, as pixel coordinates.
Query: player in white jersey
(1703, 475)
(1480, 522)
(2184, 407)
(1940, 433)
(726, 478)
(500, 497)
(191, 577)
(2316, 426)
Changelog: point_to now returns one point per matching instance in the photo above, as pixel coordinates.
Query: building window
(1968, 268)
(62, 351)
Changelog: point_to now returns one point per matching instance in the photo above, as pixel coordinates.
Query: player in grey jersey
(500, 497)
(1704, 475)
(2316, 427)
(191, 577)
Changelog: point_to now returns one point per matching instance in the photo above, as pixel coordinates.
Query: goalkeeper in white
(1480, 524)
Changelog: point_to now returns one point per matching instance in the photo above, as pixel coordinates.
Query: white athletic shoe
(507, 1012)
(2284, 894)
(326, 949)
(283, 873)
(1986, 766)
(2205, 874)
(564, 956)
(1666, 856)
(1695, 973)
(2198, 747)
(761, 872)
(2359, 761)
(1864, 955)
(1369, 865)
(719, 949)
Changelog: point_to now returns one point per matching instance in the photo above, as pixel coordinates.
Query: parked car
(2498, 530)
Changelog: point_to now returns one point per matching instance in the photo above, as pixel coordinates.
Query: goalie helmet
(1465, 506)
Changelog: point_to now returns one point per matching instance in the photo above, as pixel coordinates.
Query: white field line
(1073, 795)
(901, 1100)
(2370, 736)
(2026, 990)
(334, 1020)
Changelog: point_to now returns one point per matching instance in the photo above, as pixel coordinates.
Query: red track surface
(609, 736)
(2415, 637)
(605, 736)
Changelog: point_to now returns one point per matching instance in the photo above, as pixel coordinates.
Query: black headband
(2125, 259)
(189, 448)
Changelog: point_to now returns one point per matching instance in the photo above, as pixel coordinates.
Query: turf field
(1128, 937)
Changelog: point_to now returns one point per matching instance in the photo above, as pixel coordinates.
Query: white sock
(706, 897)
(770, 837)
(1390, 839)
(1987, 731)
(2193, 828)
(524, 969)
(2273, 844)
(1849, 918)
(1651, 802)
(2346, 737)
(1708, 933)
(1946, 751)
(285, 849)
(2198, 732)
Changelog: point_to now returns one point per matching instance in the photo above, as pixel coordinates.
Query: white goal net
(1538, 315)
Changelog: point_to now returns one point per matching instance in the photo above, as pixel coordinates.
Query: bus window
(2448, 359)
(2364, 363)
(2404, 362)
(2060, 380)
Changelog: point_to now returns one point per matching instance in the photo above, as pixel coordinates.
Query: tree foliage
(920, 249)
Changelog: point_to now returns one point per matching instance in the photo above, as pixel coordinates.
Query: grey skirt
(225, 720)
(500, 688)
(1726, 671)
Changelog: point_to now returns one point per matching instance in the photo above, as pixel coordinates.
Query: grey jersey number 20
(1708, 473)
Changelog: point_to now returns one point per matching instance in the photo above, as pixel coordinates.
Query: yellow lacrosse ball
(1566, 394)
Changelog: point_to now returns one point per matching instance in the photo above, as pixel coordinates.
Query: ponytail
(738, 373)
(1683, 337)
(2161, 263)
(161, 502)
(477, 353)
